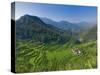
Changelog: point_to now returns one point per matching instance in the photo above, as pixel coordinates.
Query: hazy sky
(57, 12)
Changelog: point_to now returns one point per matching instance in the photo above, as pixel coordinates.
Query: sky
(57, 12)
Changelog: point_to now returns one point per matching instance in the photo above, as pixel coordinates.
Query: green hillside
(43, 47)
(32, 28)
(32, 57)
(91, 34)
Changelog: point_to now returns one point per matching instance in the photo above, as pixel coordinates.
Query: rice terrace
(53, 37)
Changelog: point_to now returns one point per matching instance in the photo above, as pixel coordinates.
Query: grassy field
(36, 57)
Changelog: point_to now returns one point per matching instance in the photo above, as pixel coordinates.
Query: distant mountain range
(65, 25)
(46, 30)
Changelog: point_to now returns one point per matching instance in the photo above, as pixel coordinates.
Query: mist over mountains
(46, 30)
(65, 25)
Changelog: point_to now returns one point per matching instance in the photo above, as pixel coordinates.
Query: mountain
(69, 26)
(64, 25)
(33, 28)
(85, 26)
(49, 21)
(73, 27)
(45, 30)
(91, 34)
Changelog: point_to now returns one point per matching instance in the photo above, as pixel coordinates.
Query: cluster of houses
(76, 51)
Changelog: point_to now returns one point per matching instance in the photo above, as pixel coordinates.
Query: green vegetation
(32, 57)
(43, 47)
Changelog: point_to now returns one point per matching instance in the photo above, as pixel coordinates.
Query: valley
(46, 47)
